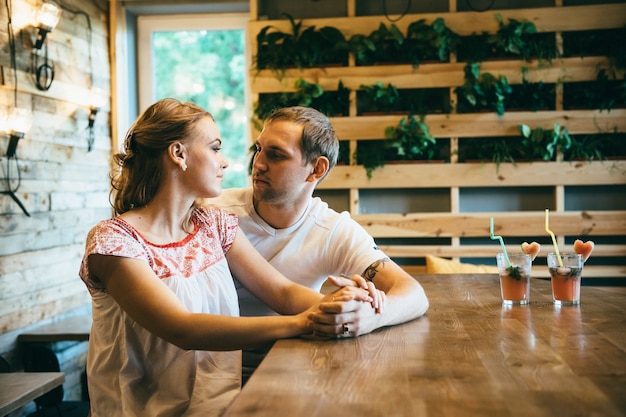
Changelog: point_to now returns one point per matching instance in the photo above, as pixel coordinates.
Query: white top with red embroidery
(132, 372)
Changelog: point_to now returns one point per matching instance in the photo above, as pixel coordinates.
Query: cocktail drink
(514, 277)
(565, 276)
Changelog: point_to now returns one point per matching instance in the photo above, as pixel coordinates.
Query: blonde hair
(137, 170)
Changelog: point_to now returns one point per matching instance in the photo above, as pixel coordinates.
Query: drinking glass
(565, 276)
(514, 278)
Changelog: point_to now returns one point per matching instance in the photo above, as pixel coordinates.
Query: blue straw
(506, 256)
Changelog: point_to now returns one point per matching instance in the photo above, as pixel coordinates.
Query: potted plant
(605, 93)
(382, 45)
(597, 146)
(307, 94)
(539, 143)
(302, 48)
(532, 96)
(497, 150)
(426, 42)
(370, 154)
(513, 39)
(410, 140)
(482, 91)
(379, 98)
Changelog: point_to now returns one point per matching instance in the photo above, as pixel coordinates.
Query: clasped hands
(350, 310)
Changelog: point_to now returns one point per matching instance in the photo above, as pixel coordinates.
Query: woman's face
(205, 162)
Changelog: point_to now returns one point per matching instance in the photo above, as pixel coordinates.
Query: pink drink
(514, 278)
(566, 278)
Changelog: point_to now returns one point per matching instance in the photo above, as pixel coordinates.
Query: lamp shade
(20, 121)
(48, 16)
(97, 98)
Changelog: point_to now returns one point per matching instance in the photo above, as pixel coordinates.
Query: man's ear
(320, 168)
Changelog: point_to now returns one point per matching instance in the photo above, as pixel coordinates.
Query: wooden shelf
(455, 225)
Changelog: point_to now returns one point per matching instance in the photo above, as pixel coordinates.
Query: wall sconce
(47, 18)
(18, 124)
(96, 101)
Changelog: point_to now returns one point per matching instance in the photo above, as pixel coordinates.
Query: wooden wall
(64, 187)
(451, 231)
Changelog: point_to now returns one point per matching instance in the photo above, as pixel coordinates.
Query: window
(201, 59)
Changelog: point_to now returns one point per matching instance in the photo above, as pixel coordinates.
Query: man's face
(279, 174)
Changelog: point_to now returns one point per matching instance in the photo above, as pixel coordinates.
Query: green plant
(533, 96)
(510, 37)
(407, 141)
(496, 150)
(410, 140)
(597, 146)
(429, 42)
(370, 154)
(513, 39)
(381, 45)
(388, 44)
(380, 98)
(302, 48)
(605, 93)
(482, 91)
(307, 94)
(539, 143)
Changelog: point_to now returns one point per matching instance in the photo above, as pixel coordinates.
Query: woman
(166, 331)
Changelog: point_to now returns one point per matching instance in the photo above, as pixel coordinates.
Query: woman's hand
(378, 297)
(347, 312)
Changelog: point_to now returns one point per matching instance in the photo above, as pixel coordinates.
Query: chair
(42, 359)
(5, 367)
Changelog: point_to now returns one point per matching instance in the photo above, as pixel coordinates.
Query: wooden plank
(486, 251)
(30, 242)
(20, 388)
(590, 272)
(70, 287)
(71, 328)
(28, 281)
(529, 223)
(546, 19)
(485, 124)
(25, 260)
(434, 175)
(41, 311)
(429, 75)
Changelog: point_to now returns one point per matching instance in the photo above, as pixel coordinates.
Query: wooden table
(19, 388)
(469, 356)
(74, 328)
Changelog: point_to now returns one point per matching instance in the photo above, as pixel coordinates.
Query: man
(301, 236)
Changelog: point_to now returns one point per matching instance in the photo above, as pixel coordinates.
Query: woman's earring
(183, 167)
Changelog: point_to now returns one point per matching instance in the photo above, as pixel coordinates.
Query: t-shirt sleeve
(352, 248)
(109, 238)
(223, 223)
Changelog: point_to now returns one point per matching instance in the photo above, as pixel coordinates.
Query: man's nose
(259, 161)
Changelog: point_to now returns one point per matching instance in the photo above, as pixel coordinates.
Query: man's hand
(343, 315)
(379, 297)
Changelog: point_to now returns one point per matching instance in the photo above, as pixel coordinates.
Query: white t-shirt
(321, 243)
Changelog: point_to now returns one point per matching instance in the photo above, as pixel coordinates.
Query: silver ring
(346, 330)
